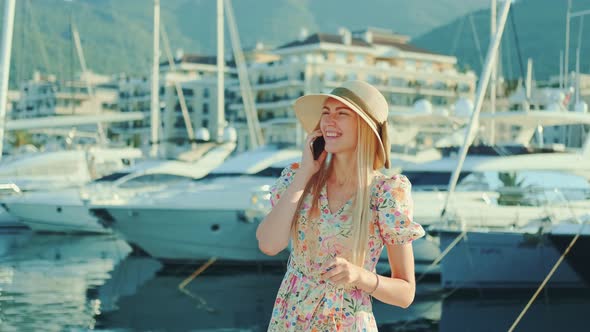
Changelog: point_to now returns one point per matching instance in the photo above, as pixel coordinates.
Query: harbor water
(82, 283)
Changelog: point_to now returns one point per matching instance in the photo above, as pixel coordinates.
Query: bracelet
(376, 285)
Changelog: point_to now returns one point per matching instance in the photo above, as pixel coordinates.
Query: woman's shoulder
(386, 182)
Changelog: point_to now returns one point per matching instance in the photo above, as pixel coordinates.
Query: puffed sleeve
(282, 183)
(394, 208)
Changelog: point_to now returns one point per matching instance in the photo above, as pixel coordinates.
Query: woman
(339, 213)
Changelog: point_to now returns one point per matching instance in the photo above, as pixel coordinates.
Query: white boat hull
(59, 211)
(9, 221)
(58, 219)
(191, 235)
(502, 259)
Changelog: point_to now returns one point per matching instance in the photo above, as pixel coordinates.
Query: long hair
(366, 152)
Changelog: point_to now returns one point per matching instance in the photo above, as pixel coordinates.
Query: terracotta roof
(200, 59)
(402, 46)
(325, 38)
(355, 41)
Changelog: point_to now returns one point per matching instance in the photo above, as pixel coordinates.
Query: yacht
(65, 168)
(66, 210)
(481, 199)
(498, 243)
(205, 218)
(561, 236)
(52, 170)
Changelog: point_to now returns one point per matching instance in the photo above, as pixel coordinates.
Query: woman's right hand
(310, 166)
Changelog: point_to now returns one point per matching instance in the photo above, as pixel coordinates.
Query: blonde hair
(367, 157)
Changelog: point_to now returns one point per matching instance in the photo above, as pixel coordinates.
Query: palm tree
(511, 193)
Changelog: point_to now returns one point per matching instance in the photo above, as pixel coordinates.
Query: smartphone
(317, 147)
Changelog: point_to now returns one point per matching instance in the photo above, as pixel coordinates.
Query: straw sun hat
(360, 97)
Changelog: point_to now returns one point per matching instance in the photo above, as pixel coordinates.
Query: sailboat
(67, 210)
(522, 254)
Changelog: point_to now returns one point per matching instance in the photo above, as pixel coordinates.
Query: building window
(205, 123)
(179, 123)
(205, 108)
(205, 92)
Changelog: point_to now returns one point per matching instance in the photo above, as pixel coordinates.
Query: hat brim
(308, 110)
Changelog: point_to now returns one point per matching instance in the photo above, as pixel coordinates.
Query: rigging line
(546, 280)
(508, 56)
(580, 28)
(583, 224)
(124, 51)
(476, 40)
(442, 255)
(458, 34)
(519, 55)
(20, 65)
(72, 59)
(37, 35)
(257, 138)
(177, 85)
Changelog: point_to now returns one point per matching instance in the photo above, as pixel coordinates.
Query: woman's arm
(398, 290)
(274, 231)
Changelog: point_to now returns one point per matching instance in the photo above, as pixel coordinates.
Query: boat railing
(9, 189)
(514, 207)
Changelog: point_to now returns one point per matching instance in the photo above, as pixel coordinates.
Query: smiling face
(338, 124)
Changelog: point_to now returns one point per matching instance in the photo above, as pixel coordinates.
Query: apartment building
(196, 76)
(319, 62)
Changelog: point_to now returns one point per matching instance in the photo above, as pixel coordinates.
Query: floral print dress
(307, 303)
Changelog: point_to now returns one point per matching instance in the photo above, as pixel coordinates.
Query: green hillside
(116, 34)
(540, 29)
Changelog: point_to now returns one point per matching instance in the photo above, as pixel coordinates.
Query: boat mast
(254, 129)
(219, 119)
(80, 51)
(494, 77)
(181, 100)
(155, 97)
(5, 64)
(481, 88)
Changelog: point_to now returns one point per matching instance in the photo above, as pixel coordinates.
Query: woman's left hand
(341, 272)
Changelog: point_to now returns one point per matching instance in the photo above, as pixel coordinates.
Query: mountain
(116, 35)
(539, 26)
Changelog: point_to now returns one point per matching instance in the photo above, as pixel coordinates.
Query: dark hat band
(352, 98)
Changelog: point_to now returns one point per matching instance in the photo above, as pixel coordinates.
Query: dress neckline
(326, 204)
